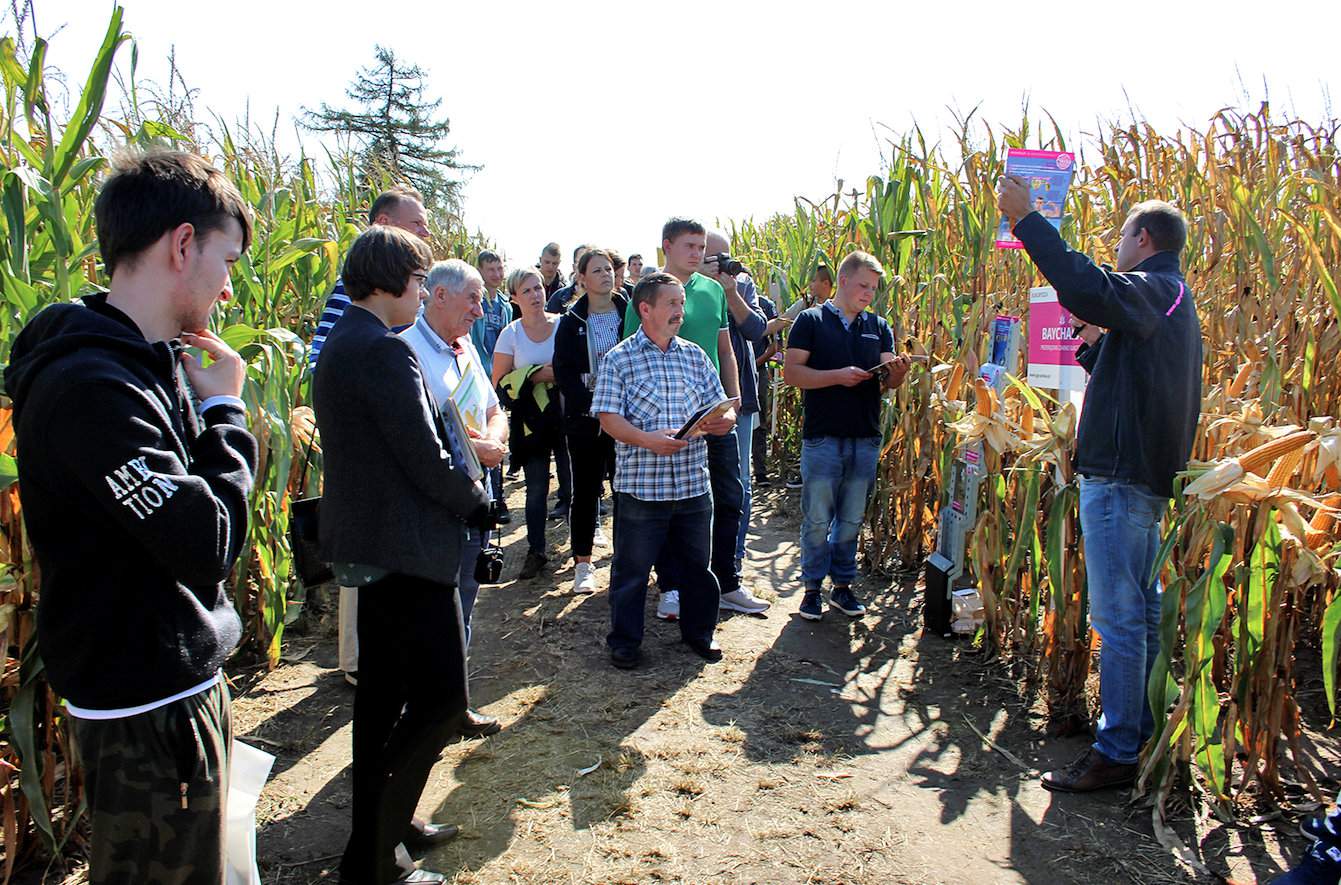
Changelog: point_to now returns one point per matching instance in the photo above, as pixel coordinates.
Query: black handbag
(303, 521)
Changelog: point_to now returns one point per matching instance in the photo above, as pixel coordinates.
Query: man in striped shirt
(402, 206)
(648, 387)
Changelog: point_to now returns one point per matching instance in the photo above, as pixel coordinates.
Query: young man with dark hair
(635, 268)
(563, 298)
(549, 269)
(706, 322)
(649, 385)
(400, 206)
(832, 356)
(498, 308)
(1142, 348)
(126, 435)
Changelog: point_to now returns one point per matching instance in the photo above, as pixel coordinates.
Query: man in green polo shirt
(705, 324)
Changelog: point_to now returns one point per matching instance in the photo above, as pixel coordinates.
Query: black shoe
(560, 511)
(352, 677)
(712, 652)
(1092, 771)
(421, 836)
(763, 482)
(478, 725)
(794, 482)
(625, 658)
(505, 517)
(532, 566)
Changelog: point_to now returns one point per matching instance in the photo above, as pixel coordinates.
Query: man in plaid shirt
(649, 385)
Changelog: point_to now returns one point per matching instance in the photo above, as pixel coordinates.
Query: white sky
(595, 121)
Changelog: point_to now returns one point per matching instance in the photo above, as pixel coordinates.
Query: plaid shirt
(654, 391)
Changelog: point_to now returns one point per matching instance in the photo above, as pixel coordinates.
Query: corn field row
(1249, 561)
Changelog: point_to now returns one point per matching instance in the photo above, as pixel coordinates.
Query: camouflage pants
(156, 785)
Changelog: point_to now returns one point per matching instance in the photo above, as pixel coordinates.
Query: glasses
(423, 280)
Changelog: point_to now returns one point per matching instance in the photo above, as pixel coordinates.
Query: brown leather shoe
(1091, 771)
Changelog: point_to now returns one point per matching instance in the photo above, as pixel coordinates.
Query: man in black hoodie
(135, 465)
(1142, 348)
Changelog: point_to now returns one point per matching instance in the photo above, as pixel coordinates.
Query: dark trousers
(759, 445)
(591, 459)
(410, 700)
(564, 467)
(644, 530)
(727, 499)
(156, 786)
(536, 471)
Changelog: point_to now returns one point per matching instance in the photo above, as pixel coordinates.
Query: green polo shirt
(704, 315)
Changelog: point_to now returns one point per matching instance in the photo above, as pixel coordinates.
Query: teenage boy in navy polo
(649, 385)
(833, 354)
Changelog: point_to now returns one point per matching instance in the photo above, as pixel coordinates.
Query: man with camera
(706, 322)
(649, 386)
(747, 326)
(453, 371)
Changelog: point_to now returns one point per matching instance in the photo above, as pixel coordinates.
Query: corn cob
(1262, 457)
(956, 382)
(1326, 515)
(1284, 469)
(986, 398)
(1240, 382)
(1027, 420)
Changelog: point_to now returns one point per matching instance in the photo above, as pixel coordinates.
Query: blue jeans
(836, 478)
(724, 478)
(536, 471)
(1120, 524)
(467, 587)
(643, 529)
(744, 444)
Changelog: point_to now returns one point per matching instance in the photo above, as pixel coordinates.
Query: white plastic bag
(250, 768)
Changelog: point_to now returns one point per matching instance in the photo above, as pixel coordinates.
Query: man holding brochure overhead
(1143, 354)
(841, 355)
(650, 386)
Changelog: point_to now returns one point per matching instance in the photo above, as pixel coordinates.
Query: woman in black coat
(587, 331)
(393, 513)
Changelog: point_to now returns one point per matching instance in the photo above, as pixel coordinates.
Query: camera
(489, 564)
(728, 265)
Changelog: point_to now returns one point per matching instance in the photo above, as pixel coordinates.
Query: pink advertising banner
(1052, 343)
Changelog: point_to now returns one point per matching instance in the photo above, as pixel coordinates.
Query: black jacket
(136, 508)
(558, 300)
(1144, 396)
(392, 496)
(572, 360)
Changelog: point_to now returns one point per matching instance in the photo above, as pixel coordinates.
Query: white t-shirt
(514, 341)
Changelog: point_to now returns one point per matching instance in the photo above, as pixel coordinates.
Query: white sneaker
(599, 539)
(668, 607)
(743, 600)
(584, 578)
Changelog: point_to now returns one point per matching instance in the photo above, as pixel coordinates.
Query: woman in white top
(534, 402)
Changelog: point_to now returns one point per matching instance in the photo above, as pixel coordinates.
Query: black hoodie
(136, 508)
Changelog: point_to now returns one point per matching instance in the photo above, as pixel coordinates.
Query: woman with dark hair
(523, 373)
(586, 333)
(393, 515)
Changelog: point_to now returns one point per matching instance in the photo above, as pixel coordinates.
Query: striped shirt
(336, 304)
(654, 391)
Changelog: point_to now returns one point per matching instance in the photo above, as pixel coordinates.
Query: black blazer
(572, 360)
(392, 496)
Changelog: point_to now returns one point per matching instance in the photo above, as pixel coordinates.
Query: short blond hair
(858, 260)
(518, 276)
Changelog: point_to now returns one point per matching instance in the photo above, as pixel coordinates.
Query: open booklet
(693, 426)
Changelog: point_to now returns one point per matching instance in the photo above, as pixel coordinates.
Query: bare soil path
(844, 751)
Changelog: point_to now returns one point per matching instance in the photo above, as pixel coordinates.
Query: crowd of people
(429, 380)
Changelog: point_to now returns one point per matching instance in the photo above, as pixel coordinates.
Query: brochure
(457, 433)
(1048, 174)
(707, 413)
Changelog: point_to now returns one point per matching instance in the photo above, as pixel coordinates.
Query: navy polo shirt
(837, 410)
